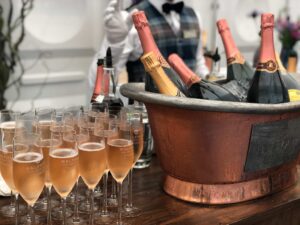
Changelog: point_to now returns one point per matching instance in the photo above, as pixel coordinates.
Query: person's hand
(117, 22)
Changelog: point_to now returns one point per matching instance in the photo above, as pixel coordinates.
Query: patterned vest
(184, 44)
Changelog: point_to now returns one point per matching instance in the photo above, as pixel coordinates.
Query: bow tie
(177, 7)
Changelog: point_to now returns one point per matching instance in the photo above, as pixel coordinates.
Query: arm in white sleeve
(201, 68)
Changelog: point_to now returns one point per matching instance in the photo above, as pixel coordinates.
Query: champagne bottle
(110, 97)
(267, 85)
(98, 91)
(157, 72)
(198, 88)
(148, 44)
(239, 72)
(290, 82)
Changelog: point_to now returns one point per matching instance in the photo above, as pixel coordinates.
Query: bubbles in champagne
(29, 157)
(91, 146)
(8, 125)
(63, 153)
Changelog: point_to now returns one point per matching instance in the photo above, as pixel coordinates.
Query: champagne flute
(106, 126)
(120, 158)
(7, 126)
(88, 120)
(71, 117)
(86, 125)
(26, 123)
(65, 134)
(28, 169)
(137, 133)
(75, 112)
(92, 164)
(63, 164)
(44, 118)
(112, 200)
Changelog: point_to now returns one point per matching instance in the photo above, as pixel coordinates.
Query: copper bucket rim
(137, 91)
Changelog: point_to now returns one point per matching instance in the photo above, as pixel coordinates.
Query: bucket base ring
(230, 193)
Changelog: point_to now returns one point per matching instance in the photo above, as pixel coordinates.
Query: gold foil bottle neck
(150, 61)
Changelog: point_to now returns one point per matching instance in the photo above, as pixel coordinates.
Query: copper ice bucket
(216, 152)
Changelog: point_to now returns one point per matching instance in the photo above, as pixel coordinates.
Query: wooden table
(159, 208)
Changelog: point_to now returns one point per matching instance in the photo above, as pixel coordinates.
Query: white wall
(243, 28)
(63, 35)
(61, 39)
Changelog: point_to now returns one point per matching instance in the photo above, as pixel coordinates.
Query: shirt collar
(158, 4)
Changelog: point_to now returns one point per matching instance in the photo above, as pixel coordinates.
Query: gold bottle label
(294, 95)
(269, 66)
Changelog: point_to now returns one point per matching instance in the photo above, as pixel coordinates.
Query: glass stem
(64, 211)
(49, 205)
(12, 200)
(129, 201)
(91, 222)
(120, 204)
(31, 213)
(113, 189)
(17, 209)
(76, 216)
(104, 208)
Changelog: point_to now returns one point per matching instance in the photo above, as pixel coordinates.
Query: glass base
(98, 192)
(81, 220)
(86, 208)
(142, 163)
(57, 213)
(123, 223)
(131, 211)
(107, 218)
(39, 220)
(112, 202)
(71, 198)
(42, 204)
(10, 210)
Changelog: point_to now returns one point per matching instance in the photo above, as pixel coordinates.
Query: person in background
(176, 29)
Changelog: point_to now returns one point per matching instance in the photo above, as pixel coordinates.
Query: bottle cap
(267, 20)
(140, 20)
(100, 62)
(222, 25)
(108, 58)
(150, 61)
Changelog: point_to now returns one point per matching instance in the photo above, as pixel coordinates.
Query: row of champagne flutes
(52, 148)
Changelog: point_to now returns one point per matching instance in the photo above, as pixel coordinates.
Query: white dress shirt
(131, 50)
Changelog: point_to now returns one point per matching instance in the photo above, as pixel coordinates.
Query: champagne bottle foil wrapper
(267, 20)
(222, 25)
(140, 20)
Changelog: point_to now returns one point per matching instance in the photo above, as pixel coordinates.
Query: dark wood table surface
(159, 208)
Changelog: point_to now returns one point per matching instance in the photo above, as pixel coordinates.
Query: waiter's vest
(184, 44)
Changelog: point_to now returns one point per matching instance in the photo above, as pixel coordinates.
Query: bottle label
(294, 95)
(100, 98)
(269, 66)
(238, 58)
